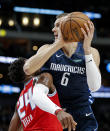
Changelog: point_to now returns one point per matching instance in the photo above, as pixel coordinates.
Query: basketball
(71, 26)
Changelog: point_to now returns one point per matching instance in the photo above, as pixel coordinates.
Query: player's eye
(57, 25)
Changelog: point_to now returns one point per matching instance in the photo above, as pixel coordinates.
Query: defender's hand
(66, 120)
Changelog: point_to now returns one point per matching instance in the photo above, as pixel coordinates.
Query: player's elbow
(27, 69)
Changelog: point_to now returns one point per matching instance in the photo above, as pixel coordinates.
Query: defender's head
(16, 73)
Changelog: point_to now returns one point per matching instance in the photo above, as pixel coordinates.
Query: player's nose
(53, 30)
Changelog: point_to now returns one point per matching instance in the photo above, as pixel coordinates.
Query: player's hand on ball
(71, 26)
(88, 36)
(66, 120)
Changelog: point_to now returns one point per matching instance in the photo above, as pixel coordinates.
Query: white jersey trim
(53, 94)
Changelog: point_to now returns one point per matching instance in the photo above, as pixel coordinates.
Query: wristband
(88, 58)
(92, 73)
(58, 110)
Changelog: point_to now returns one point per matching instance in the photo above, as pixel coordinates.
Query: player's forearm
(12, 129)
(13, 126)
(93, 74)
(38, 60)
(15, 122)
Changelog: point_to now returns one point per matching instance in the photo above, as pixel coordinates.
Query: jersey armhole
(52, 94)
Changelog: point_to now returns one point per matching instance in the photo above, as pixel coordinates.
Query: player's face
(56, 27)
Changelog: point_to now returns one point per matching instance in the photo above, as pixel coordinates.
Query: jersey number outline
(65, 79)
(24, 100)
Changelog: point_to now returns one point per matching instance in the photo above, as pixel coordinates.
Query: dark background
(16, 43)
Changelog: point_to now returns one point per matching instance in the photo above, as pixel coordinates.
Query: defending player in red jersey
(31, 116)
(38, 92)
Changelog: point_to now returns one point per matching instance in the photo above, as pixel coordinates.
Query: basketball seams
(76, 22)
(71, 29)
(63, 29)
(77, 34)
(80, 18)
(79, 15)
(69, 21)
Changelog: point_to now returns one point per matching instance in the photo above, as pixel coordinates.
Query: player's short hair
(61, 15)
(16, 73)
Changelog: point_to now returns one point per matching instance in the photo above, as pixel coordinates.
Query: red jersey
(32, 117)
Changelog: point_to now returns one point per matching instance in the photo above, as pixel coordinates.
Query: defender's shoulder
(47, 75)
(46, 79)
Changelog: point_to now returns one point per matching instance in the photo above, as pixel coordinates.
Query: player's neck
(69, 49)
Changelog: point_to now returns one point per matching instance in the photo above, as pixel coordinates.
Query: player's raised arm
(40, 98)
(44, 53)
(92, 59)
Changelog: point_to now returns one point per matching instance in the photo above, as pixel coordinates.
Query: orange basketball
(71, 26)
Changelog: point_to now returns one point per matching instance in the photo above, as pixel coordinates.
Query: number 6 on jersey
(65, 79)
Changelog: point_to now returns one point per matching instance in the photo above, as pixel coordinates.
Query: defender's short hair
(16, 73)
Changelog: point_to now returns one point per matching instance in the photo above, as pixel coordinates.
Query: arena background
(20, 37)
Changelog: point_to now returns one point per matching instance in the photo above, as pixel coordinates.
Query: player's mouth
(56, 37)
